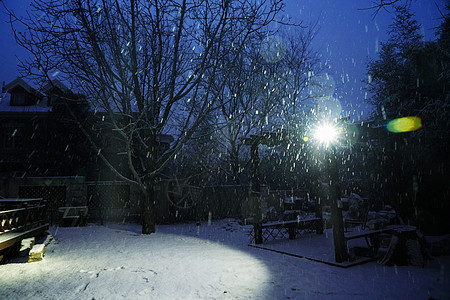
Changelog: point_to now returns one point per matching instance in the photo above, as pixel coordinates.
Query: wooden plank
(7, 240)
(73, 211)
(289, 223)
(344, 264)
(12, 211)
(366, 233)
(11, 203)
(19, 200)
(62, 208)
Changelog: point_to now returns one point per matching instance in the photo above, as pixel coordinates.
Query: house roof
(5, 106)
(55, 84)
(17, 82)
(5, 98)
(20, 82)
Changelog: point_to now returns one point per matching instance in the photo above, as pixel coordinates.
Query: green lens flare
(405, 124)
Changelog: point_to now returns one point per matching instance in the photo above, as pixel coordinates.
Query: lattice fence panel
(110, 195)
(270, 234)
(54, 195)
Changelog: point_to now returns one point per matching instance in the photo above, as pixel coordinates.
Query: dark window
(18, 99)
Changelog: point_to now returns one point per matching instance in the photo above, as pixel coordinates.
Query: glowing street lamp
(326, 134)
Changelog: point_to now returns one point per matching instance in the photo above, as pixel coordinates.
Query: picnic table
(283, 229)
(73, 215)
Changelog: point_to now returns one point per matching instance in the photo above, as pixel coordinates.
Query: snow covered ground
(211, 261)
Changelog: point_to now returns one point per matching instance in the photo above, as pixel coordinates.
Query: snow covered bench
(372, 237)
(36, 253)
(73, 215)
(283, 229)
(402, 247)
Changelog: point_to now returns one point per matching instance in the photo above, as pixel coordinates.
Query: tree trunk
(234, 163)
(255, 193)
(149, 211)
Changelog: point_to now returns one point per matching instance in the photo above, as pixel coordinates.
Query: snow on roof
(17, 82)
(5, 106)
(20, 82)
(55, 83)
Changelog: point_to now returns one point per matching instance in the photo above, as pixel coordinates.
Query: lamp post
(255, 193)
(327, 136)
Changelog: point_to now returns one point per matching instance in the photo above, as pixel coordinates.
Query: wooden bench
(283, 229)
(372, 237)
(21, 223)
(73, 215)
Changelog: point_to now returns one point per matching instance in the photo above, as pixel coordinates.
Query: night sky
(347, 38)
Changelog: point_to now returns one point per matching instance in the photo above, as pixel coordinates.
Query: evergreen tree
(391, 78)
(410, 78)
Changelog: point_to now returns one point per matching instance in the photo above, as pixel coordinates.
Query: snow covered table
(73, 215)
(283, 229)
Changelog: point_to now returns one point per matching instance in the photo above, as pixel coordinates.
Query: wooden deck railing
(21, 219)
(23, 222)
(11, 220)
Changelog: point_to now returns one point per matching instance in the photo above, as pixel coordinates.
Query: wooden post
(315, 193)
(340, 247)
(255, 191)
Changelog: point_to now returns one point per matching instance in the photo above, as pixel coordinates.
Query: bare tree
(237, 94)
(264, 90)
(378, 5)
(149, 65)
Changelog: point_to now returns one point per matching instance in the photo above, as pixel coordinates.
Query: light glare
(405, 124)
(326, 133)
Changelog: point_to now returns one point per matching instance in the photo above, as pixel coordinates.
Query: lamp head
(326, 134)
